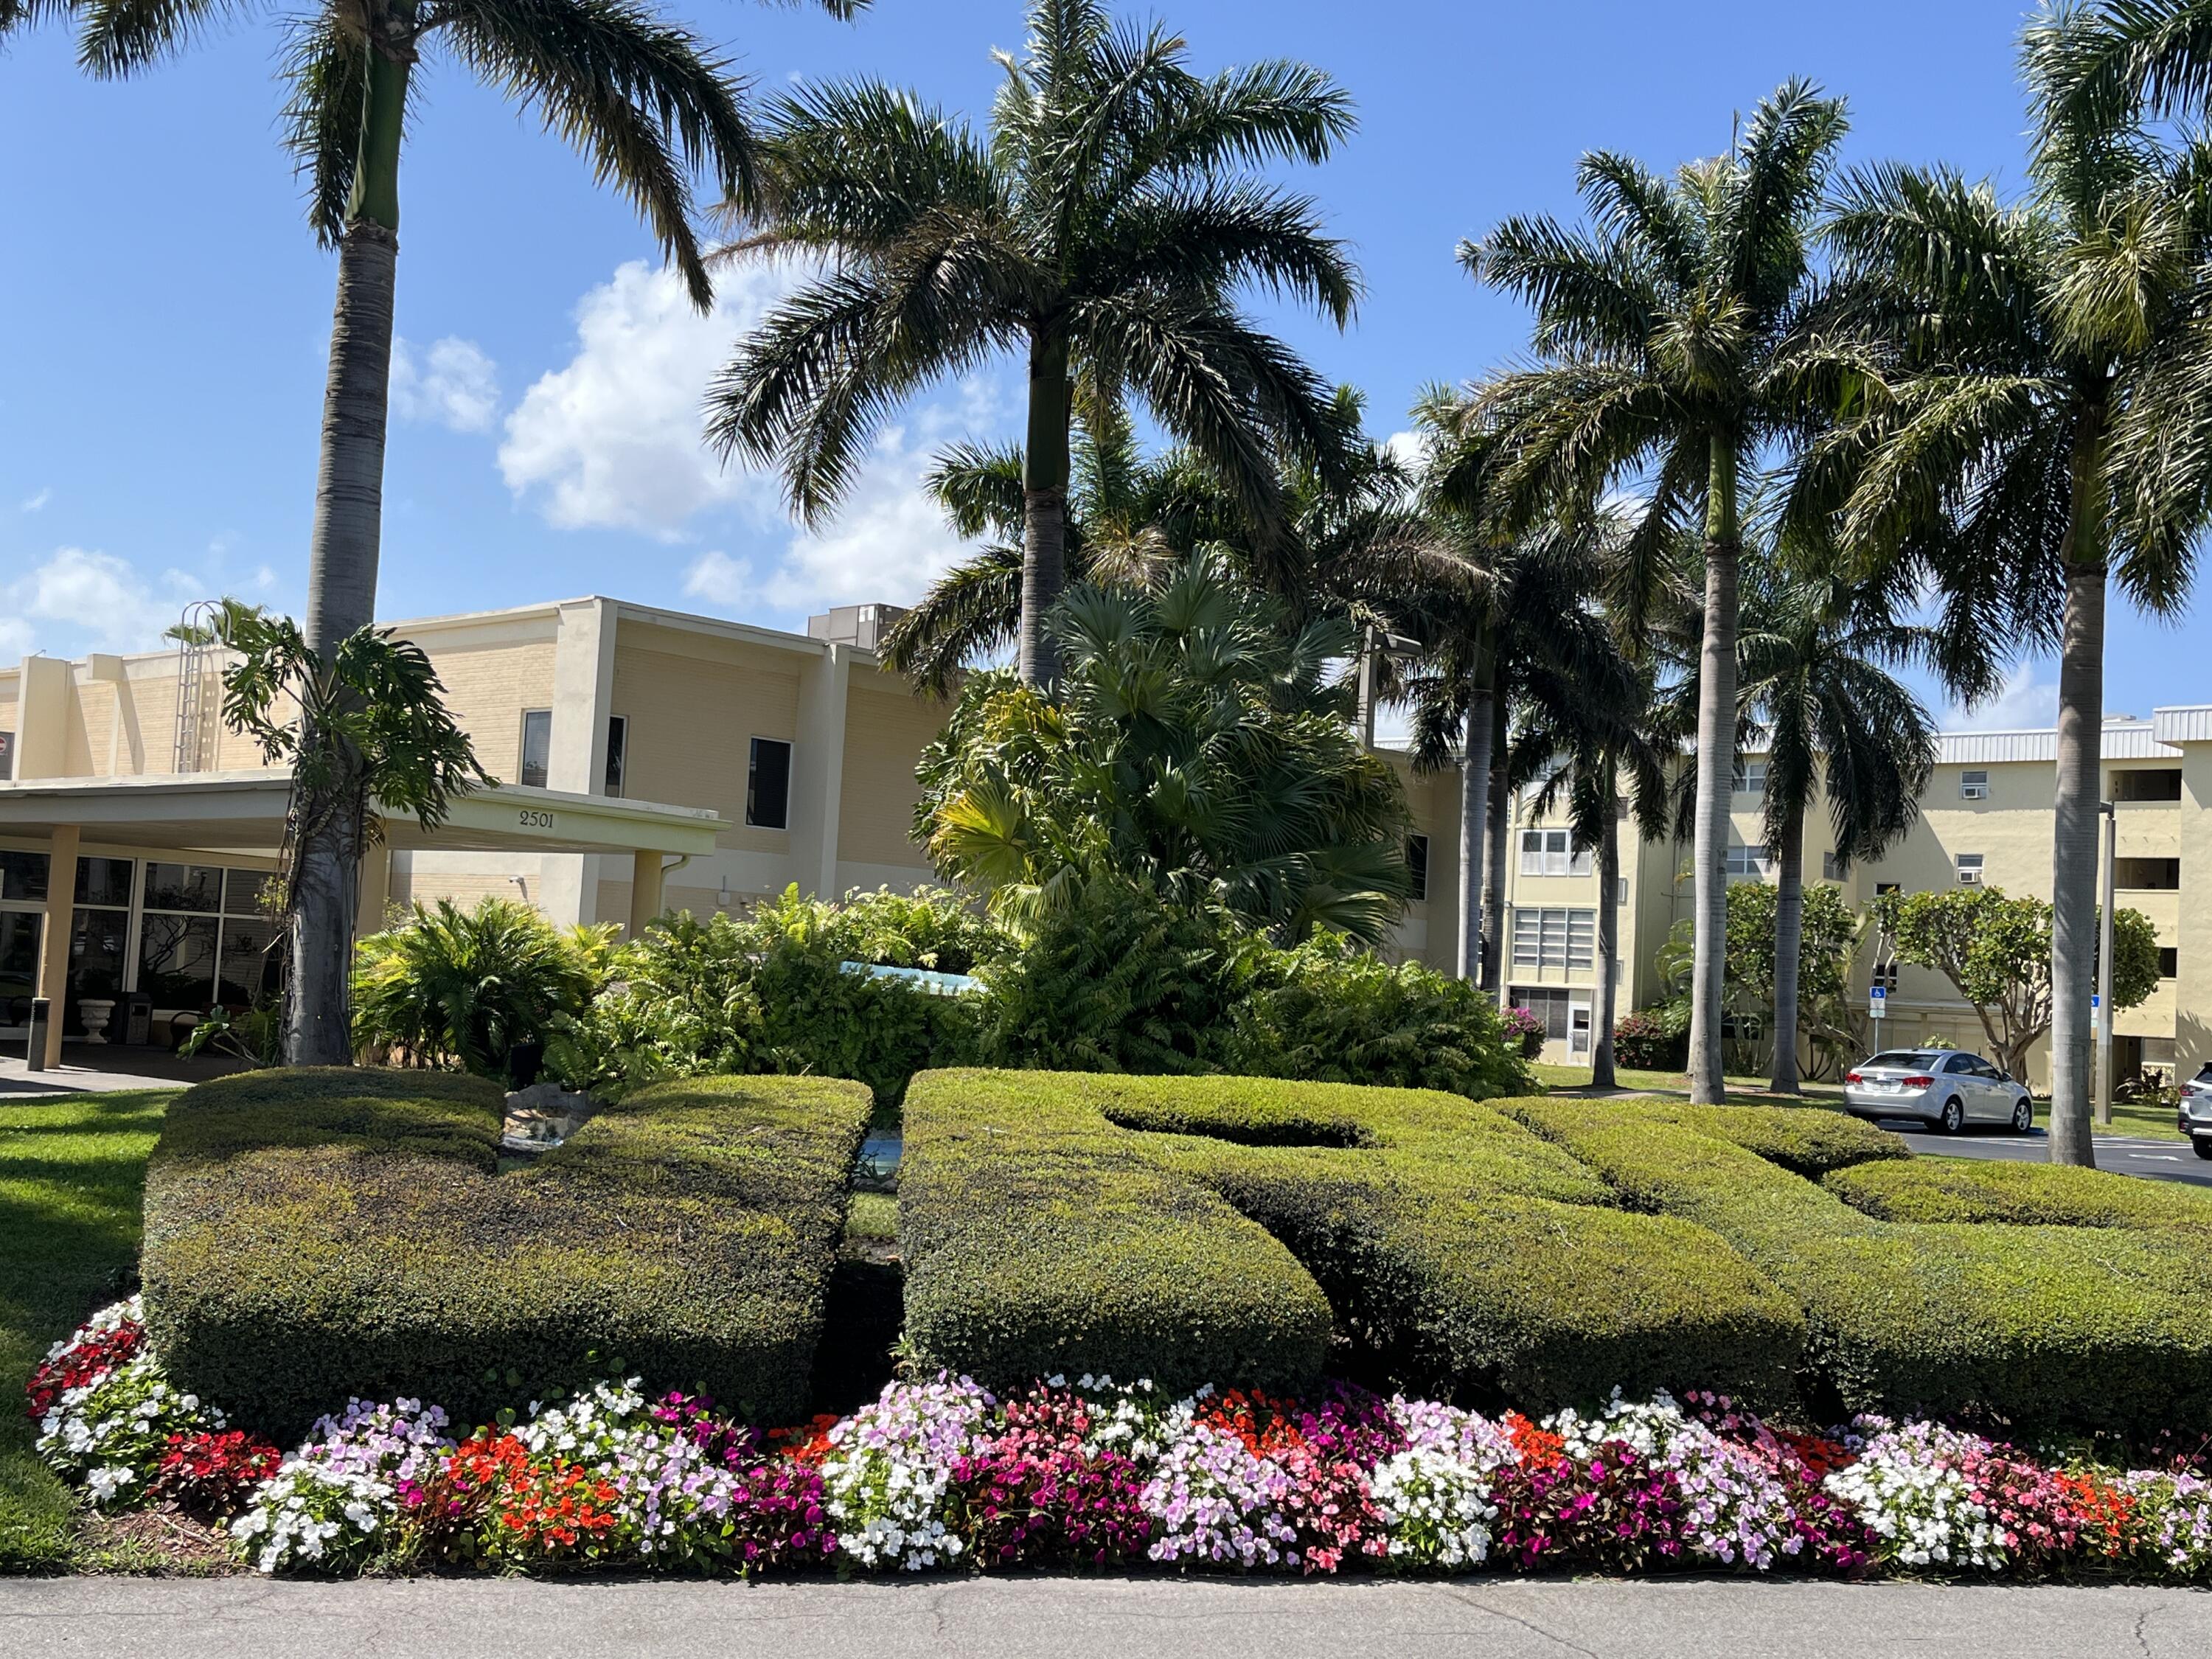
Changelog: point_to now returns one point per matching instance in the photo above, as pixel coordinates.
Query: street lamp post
(2105, 968)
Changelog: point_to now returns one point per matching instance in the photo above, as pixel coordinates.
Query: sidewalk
(87, 1070)
(1069, 1618)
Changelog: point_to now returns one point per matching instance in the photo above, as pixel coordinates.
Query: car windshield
(1902, 1057)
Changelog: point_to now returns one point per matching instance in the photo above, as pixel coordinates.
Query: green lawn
(71, 1170)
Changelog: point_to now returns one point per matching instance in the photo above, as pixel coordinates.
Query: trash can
(42, 1011)
(137, 1018)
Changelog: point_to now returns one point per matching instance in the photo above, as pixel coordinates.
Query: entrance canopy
(243, 812)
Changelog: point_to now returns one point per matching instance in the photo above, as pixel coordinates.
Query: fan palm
(2037, 422)
(1101, 230)
(648, 102)
(1812, 658)
(1670, 358)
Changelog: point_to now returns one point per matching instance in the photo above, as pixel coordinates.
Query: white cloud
(1410, 448)
(32, 503)
(2023, 703)
(454, 385)
(91, 600)
(613, 440)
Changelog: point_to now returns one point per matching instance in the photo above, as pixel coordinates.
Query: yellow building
(1986, 818)
(648, 759)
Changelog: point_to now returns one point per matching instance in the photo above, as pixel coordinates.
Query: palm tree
(2037, 419)
(1813, 661)
(649, 102)
(1670, 360)
(1102, 230)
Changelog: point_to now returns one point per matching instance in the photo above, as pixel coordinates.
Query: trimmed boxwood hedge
(312, 1235)
(1225, 1229)
(1941, 1189)
(2053, 1326)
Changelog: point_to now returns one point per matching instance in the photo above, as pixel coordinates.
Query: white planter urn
(95, 1012)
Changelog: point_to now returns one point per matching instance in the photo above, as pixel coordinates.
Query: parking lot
(2159, 1160)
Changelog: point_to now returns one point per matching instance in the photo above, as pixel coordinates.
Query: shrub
(312, 1235)
(1652, 1040)
(1329, 1012)
(1524, 1030)
(450, 987)
(2021, 1194)
(1221, 1227)
(2074, 1327)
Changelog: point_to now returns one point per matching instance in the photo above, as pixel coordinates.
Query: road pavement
(2134, 1155)
(1091, 1618)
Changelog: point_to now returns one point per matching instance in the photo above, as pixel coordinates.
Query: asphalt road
(2134, 1155)
(1091, 1618)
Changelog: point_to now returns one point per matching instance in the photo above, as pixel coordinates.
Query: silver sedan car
(2195, 1114)
(1943, 1087)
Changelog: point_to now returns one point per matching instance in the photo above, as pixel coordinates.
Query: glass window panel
(536, 746)
(184, 887)
(103, 881)
(1532, 852)
(249, 964)
(242, 891)
(176, 960)
(767, 789)
(1581, 938)
(96, 959)
(1580, 866)
(1528, 931)
(617, 746)
(19, 965)
(23, 876)
(1417, 865)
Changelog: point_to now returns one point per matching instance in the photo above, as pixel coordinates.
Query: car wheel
(1954, 1116)
(2023, 1116)
(2203, 1147)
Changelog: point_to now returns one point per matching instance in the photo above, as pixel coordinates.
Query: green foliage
(2038, 1328)
(255, 1034)
(1931, 1189)
(1217, 1228)
(1828, 1012)
(1331, 1014)
(449, 986)
(1653, 1039)
(315, 1234)
(1197, 748)
(768, 993)
(1995, 951)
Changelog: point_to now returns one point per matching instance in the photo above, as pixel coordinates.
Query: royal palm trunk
(1608, 933)
(1500, 835)
(1716, 762)
(2074, 865)
(1044, 504)
(1788, 943)
(342, 551)
(1474, 798)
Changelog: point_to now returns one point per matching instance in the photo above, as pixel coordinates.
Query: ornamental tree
(1995, 951)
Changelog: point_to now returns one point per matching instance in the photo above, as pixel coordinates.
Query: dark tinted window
(242, 891)
(1417, 861)
(103, 881)
(1963, 1063)
(536, 746)
(184, 887)
(1903, 1057)
(768, 785)
(617, 748)
(23, 875)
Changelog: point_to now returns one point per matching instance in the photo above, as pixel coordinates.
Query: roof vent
(861, 625)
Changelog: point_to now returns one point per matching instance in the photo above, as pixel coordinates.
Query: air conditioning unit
(1973, 792)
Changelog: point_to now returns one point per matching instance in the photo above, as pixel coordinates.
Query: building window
(536, 746)
(1554, 939)
(1974, 786)
(1620, 891)
(1970, 869)
(1553, 852)
(1749, 778)
(1554, 1006)
(1747, 861)
(206, 937)
(2156, 875)
(23, 876)
(2160, 783)
(6, 755)
(2169, 961)
(1881, 888)
(1416, 863)
(768, 785)
(1831, 868)
(618, 752)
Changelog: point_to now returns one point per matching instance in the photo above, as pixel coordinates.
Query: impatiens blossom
(890, 1469)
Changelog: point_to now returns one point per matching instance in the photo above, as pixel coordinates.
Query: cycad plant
(1670, 359)
(1197, 749)
(1102, 229)
(2037, 422)
(650, 103)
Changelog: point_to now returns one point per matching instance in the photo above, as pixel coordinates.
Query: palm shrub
(1101, 229)
(454, 987)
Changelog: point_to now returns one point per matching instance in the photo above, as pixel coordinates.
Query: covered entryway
(134, 904)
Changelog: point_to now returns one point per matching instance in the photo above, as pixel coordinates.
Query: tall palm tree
(1670, 359)
(1814, 659)
(2037, 419)
(649, 102)
(1102, 229)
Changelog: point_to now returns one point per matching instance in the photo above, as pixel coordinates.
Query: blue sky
(167, 312)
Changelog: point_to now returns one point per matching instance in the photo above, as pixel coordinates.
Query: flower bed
(1087, 1472)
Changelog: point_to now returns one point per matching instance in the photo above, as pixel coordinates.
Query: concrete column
(817, 771)
(375, 890)
(44, 689)
(644, 891)
(54, 933)
(583, 695)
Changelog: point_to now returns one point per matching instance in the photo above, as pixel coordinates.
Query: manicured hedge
(1227, 1228)
(311, 1234)
(2054, 1327)
(1947, 1189)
